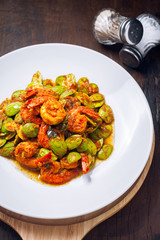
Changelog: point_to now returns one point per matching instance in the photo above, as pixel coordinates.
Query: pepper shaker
(110, 27)
(132, 56)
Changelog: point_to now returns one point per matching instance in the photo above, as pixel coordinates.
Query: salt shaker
(132, 56)
(110, 27)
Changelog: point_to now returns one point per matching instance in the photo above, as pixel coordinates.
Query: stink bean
(3, 128)
(73, 157)
(58, 146)
(105, 112)
(84, 99)
(105, 151)
(60, 79)
(69, 81)
(83, 84)
(96, 97)
(18, 118)
(67, 93)
(10, 135)
(92, 88)
(102, 132)
(45, 151)
(36, 81)
(7, 149)
(83, 146)
(37, 77)
(11, 126)
(30, 130)
(92, 149)
(59, 89)
(13, 108)
(2, 142)
(17, 95)
(73, 141)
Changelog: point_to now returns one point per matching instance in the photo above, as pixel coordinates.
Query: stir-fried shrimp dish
(58, 128)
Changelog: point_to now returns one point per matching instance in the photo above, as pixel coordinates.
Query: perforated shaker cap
(131, 31)
(130, 56)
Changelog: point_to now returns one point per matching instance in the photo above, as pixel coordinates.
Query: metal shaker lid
(130, 56)
(131, 31)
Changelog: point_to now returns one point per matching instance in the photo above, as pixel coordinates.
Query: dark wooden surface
(27, 22)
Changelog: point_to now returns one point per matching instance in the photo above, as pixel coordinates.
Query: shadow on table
(8, 233)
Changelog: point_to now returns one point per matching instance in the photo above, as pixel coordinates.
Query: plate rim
(144, 97)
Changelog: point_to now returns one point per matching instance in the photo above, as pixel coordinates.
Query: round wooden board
(78, 230)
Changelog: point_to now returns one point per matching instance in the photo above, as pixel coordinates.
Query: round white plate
(133, 133)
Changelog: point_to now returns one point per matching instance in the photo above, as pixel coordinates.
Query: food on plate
(58, 128)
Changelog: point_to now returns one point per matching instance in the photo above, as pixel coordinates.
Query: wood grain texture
(26, 22)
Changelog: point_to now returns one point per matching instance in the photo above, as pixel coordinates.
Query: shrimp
(30, 115)
(48, 169)
(39, 92)
(77, 122)
(42, 136)
(52, 112)
(62, 176)
(25, 151)
(31, 108)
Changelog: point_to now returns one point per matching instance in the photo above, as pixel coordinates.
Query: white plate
(133, 133)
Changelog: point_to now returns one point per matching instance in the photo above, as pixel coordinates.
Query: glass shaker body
(110, 28)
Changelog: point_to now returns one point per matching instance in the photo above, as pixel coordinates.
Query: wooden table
(27, 22)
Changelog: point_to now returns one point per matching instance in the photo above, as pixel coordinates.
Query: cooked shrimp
(30, 115)
(48, 175)
(31, 108)
(25, 151)
(39, 92)
(42, 136)
(52, 112)
(47, 92)
(77, 122)
(49, 168)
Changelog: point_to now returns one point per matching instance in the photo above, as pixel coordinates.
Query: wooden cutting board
(32, 231)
